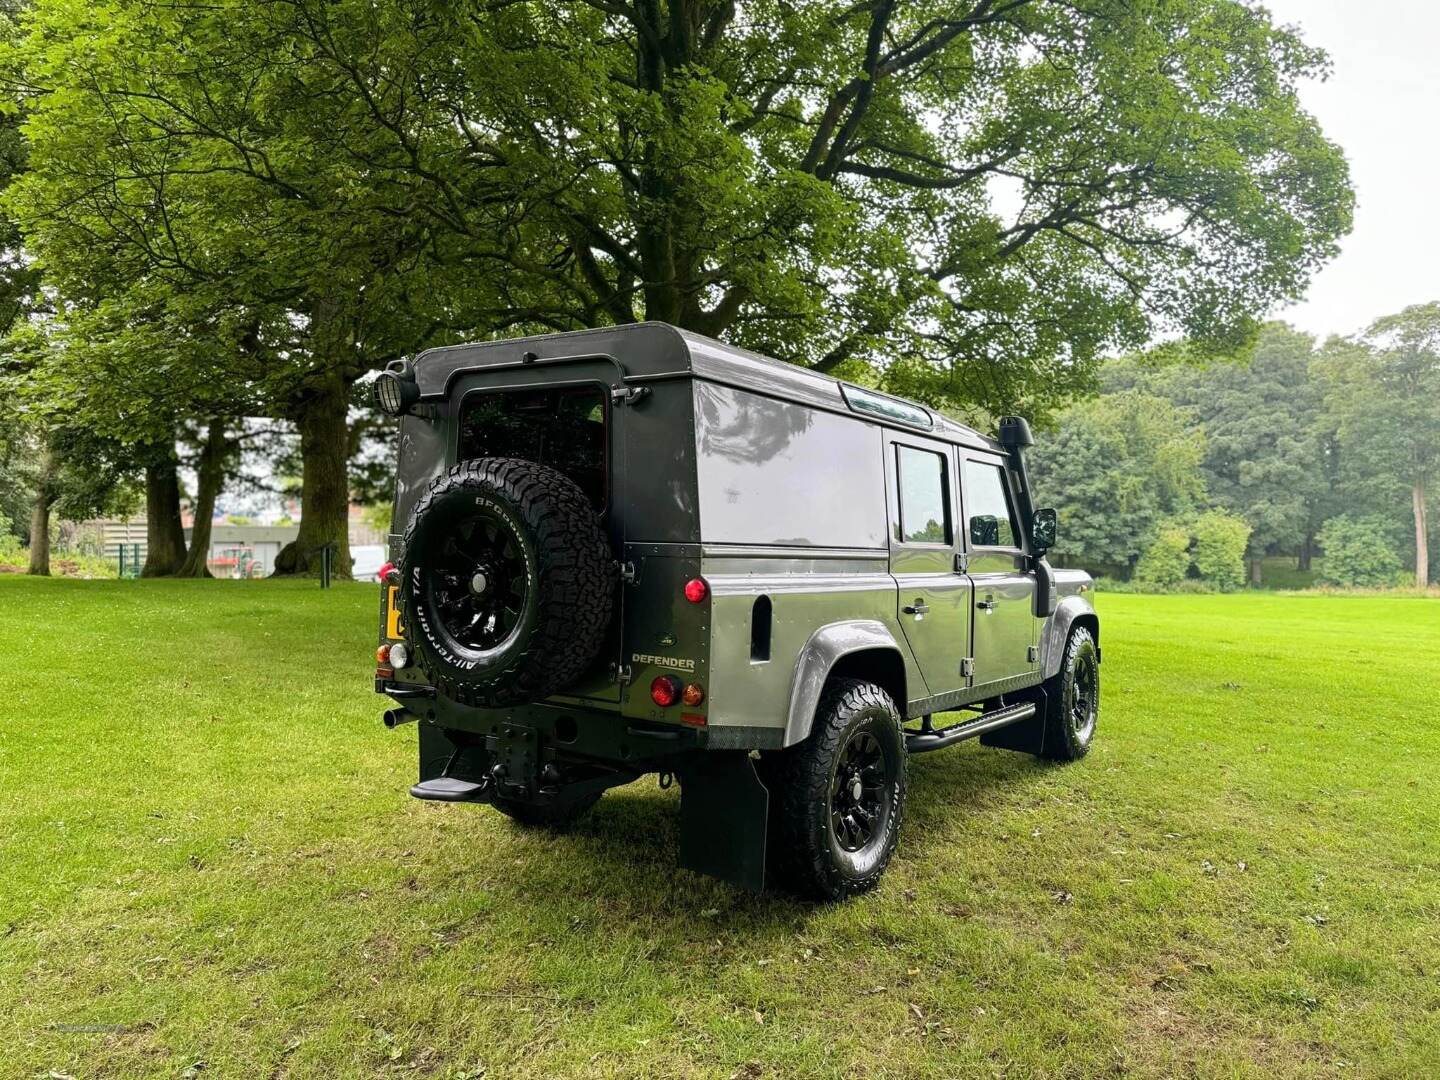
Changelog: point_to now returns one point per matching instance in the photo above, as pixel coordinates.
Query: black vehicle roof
(649, 351)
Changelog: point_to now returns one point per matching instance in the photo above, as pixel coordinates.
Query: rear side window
(924, 507)
(987, 506)
(562, 427)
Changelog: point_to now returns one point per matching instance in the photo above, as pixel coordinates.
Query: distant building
(246, 551)
(236, 550)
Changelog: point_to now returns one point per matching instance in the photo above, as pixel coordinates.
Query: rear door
(562, 416)
(1004, 628)
(933, 598)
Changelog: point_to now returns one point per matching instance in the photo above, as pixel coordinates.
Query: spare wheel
(507, 582)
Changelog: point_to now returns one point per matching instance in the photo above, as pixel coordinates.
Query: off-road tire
(570, 571)
(1070, 723)
(547, 815)
(806, 856)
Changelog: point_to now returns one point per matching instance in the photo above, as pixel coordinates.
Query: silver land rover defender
(637, 550)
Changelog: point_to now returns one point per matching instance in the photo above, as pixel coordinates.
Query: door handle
(987, 605)
(917, 608)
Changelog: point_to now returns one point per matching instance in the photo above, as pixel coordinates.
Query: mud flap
(723, 812)
(1027, 736)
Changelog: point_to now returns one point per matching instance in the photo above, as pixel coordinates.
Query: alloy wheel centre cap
(856, 788)
(479, 583)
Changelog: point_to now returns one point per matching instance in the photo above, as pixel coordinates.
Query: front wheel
(1073, 699)
(841, 794)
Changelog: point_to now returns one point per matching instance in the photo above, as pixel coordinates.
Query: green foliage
(378, 516)
(1293, 436)
(1358, 553)
(1220, 542)
(10, 548)
(1265, 455)
(1117, 468)
(1167, 559)
(1383, 391)
(345, 179)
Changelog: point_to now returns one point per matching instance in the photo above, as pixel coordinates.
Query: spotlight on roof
(396, 389)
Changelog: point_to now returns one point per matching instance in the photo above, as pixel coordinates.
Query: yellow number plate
(393, 629)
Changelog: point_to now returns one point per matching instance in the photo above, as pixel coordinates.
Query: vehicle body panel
(759, 478)
(932, 593)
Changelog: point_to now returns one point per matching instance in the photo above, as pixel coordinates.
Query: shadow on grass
(625, 853)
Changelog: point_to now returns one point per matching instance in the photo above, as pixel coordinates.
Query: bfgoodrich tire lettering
(821, 786)
(507, 582)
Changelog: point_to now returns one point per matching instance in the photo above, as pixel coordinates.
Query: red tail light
(385, 572)
(665, 690)
(696, 590)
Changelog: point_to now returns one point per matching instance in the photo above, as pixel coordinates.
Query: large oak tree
(966, 201)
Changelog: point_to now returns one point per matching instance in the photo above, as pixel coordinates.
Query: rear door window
(562, 427)
(924, 506)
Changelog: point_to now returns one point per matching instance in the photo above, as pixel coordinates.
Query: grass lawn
(210, 867)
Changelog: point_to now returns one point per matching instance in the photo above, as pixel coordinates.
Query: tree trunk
(1422, 535)
(164, 534)
(325, 490)
(210, 478)
(40, 515)
(1257, 571)
(40, 536)
(1307, 551)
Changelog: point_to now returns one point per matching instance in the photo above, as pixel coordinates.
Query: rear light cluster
(666, 690)
(393, 656)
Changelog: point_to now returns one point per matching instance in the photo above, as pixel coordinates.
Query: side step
(451, 789)
(919, 742)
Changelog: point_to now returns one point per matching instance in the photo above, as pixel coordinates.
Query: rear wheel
(841, 794)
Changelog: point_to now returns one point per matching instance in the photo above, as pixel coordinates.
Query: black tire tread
(800, 780)
(1060, 744)
(576, 575)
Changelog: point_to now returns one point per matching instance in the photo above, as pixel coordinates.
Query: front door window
(1004, 586)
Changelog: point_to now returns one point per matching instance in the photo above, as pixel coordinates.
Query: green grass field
(209, 866)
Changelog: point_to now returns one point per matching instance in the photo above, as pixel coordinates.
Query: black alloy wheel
(858, 802)
(1082, 704)
(507, 582)
(1072, 699)
(838, 797)
(479, 587)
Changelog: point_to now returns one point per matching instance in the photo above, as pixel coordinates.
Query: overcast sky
(1382, 105)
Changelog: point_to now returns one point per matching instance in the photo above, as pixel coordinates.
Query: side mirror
(1043, 527)
(985, 530)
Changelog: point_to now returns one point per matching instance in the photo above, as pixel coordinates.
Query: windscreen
(562, 427)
